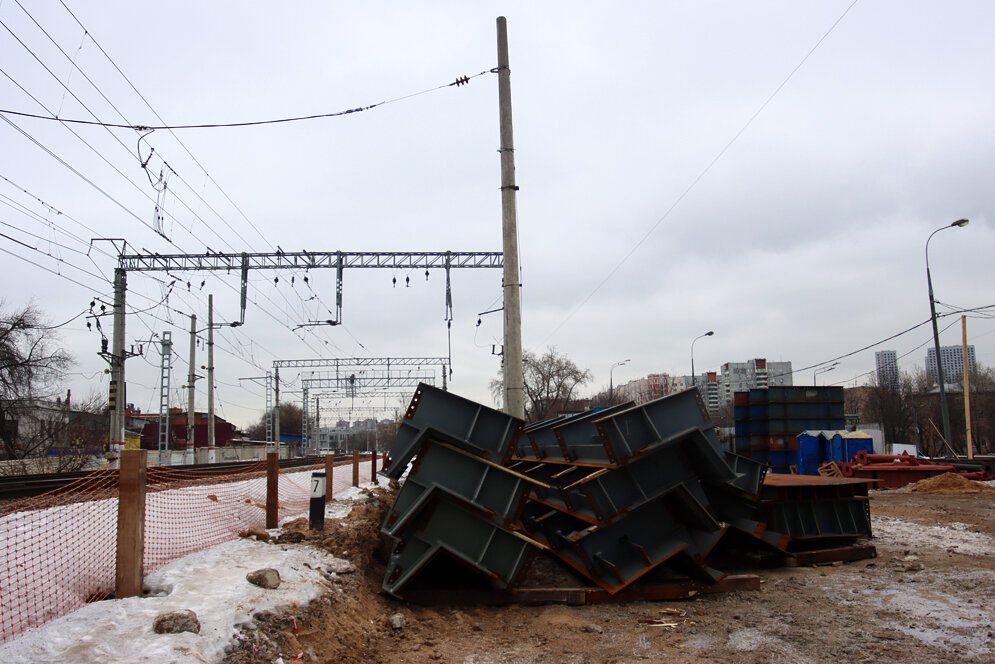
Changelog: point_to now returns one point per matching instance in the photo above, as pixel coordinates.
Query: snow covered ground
(211, 583)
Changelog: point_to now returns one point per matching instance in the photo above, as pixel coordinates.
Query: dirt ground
(927, 597)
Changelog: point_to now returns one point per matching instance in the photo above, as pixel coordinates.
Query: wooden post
(272, 490)
(130, 523)
(329, 466)
(355, 467)
(967, 389)
(373, 466)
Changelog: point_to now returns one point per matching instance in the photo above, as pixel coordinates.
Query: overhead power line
(462, 80)
(701, 175)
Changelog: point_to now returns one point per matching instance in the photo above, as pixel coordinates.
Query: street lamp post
(823, 370)
(694, 378)
(611, 390)
(960, 223)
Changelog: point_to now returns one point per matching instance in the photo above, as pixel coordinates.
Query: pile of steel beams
(614, 494)
(896, 470)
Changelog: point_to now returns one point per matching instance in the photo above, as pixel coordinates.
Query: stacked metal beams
(614, 494)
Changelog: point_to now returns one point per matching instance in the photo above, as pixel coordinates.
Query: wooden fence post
(373, 467)
(272, 490)
(355, 467)
(329, 466)
(130, 523)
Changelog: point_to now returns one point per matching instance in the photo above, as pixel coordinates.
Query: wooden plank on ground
(580, 596)
(844, 554)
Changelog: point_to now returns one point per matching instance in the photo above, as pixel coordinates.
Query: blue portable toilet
(835, 449)
(812, 450)
(854, 441)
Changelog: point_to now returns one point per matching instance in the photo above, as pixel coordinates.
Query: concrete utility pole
(117, 396)
(211, 443)
(188, 458)
(514, 375)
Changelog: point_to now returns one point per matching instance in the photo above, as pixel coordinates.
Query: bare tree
(894, 409)
(291, 419)
(31, 363)
(550, 382)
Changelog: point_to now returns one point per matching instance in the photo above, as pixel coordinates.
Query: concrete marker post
(317, 506)
(272, 490)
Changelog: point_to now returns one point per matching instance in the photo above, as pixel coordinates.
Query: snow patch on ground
(773, 648)
(211, 583)
(953, 537)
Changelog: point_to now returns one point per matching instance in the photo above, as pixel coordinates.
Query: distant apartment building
(952, 358)
(886, 362)
(679, 383)
(642, 390)
(710, 391)
(744, 376)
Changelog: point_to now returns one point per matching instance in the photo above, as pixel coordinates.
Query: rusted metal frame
(499, 492)
(742, 512)
(821, 518)
(457, 530)
(556, 439)
(577, 432)
(692, 560)
(615, 555)
(407, 441)
(534, 433)
(749, 473)
(605, 495)
(629, 432)
(481, 430)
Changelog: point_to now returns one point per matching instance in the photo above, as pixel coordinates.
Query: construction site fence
(100, 536)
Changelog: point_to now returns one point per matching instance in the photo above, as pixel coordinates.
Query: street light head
(709, 333)
(960, 223)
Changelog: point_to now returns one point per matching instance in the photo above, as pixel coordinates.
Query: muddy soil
(927, 597)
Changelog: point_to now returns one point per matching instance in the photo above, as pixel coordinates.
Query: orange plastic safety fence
(58, 552)
(190, 510)
(59, 549)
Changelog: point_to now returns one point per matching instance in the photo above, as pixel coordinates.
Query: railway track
(15, 487)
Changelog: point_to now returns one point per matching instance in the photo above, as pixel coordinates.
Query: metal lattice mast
(370, 365)
(269, 408)
(164, 373)
(304, 416)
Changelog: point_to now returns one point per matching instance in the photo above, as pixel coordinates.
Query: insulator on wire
(426, 274)
(407, 281)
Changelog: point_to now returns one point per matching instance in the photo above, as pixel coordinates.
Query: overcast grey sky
(683, 166)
